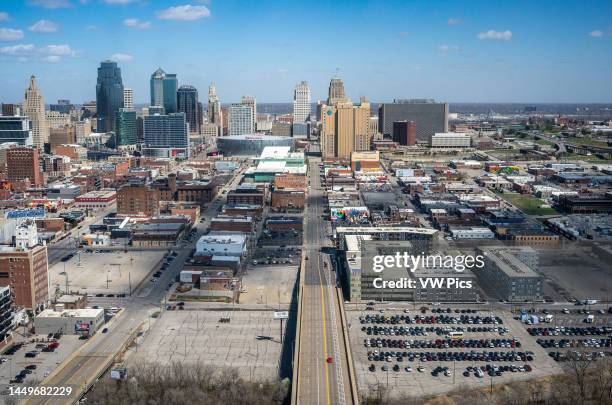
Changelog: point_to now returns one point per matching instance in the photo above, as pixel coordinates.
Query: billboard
(27, 213)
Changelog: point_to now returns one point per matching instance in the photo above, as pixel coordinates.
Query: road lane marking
(324, 332)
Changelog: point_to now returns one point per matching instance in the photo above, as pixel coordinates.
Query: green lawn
(527, 203)
(587, 141)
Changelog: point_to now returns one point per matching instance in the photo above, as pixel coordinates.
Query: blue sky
(457, 51)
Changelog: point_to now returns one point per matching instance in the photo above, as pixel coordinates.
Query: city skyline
(415, 50)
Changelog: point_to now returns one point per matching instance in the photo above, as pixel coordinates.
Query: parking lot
(249, 342)
(417, 353)
(104, 273)
(269, 285)
(568, 335)
(41, 364)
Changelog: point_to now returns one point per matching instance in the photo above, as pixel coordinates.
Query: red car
(330, 360)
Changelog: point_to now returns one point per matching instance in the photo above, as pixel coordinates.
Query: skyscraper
(126, 127)
(34, 108)
(165, 135)
(214, 106)
(109, 95)
(252, 104)
(345, 129)
(128, 98)
(157, 87)
(187, 100)
(163, 90)
(240, 119)
(301, 103)
(430, 117)
(336, 91)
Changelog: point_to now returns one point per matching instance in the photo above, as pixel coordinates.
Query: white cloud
(92, 28)
(282, 70)
(492, 34)
(50, 3)
(136, 23)
(59, 50)
(45, 26)
(184, 13)
(596, 33)
(52, 59)
(447, 48)
(9, 34)
(454, 21)
(121, 57)
(4, 16)
(18, 50)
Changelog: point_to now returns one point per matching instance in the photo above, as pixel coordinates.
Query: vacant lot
(527, 203)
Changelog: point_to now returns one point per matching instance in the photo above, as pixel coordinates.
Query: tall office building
(163, 90)
(430, 117)
(187, 100)
(82, 129)
(126, 128)
(214, 106)
(240, 119)
(15, 129)
(34, 108)
(128, 98)
(336, 91)
(166, 135)
(109, 95)
(345, 129)
(252, 104)
(301, 103)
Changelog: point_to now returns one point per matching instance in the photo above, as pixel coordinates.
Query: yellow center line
(324, 332)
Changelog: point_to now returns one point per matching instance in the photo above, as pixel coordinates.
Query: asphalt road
(322, 375)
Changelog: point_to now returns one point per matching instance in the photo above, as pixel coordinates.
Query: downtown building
(109, 95)
(301, 111)
(240, 119)
(215, 113)
(344, 129)
(34, 108)
(163, 90)
(16, 129)
(23, 165)
(125, 133)
(187, 100)
(166, 135)
(430, 117)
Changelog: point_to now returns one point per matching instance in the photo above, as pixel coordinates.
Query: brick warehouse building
(288, 200)
(138, 200)
(290, 181)
(23, 163)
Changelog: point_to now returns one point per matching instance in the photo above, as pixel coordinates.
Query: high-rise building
(345, 129)
(34, 108)
(25, 272)
(15, 129)
(62, 106)
(109, 95)
(166, 135)
(241, 119)
(301, 103)
(430, 117)
(404, 132)
(187, 100)
(9, 110)
(214, 106)
(336, 91)
(6, 315)
(24, 164)
(252, 104)
(126, 128)
(128, 98)
(163, 90)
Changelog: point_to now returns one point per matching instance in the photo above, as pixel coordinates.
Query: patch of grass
(530, 205)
